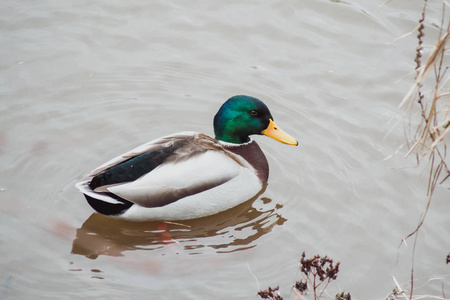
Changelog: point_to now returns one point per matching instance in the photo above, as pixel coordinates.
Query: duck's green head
(241, 116)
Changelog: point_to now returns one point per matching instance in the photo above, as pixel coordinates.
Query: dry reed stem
(429, 140)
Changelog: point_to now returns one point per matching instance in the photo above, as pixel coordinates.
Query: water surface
(82, 82)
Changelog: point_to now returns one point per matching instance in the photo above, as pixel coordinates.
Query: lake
(84, 81)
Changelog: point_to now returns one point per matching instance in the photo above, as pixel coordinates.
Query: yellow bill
(276, 133)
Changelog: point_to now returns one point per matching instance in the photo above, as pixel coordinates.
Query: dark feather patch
(107, 208)
(135, 167)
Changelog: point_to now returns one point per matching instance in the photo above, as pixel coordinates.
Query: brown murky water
(82, 82)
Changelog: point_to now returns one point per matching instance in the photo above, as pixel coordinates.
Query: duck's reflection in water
(233, 230)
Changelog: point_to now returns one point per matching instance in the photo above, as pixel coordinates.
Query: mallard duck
(189, 175)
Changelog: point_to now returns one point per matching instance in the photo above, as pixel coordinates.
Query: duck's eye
(253, 113)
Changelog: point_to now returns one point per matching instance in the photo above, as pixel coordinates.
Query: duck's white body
(208, 180)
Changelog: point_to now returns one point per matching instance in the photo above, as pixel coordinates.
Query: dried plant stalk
(429, 140)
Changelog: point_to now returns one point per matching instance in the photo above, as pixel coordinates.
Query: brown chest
(253, 154)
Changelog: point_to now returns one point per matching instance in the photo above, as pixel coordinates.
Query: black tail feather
(107, 208)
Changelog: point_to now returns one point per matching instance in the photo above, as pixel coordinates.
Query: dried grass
(429, 140)
(430, 94)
